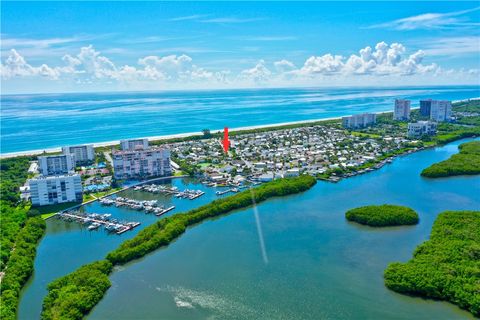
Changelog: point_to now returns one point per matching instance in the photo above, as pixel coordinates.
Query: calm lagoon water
(36, 122)
(319, 265)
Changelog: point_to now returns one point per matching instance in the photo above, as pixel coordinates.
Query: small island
(466, 162)
(446, 266)
(383, 215)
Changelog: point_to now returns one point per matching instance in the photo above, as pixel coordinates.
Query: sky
(118, 46)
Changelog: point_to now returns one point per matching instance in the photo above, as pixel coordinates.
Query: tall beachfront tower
(441, 110)
(402, 109)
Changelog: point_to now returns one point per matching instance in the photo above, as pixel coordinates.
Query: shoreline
(192, 134)
(171, 136)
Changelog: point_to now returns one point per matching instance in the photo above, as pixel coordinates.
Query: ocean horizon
(45, 121)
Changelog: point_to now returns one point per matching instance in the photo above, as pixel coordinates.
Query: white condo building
(47, 190)
(421, 128)
(54, 165)
(81, 154)
(359, 120)
(401, 110)
(134, 144)
(440, 110)
(152, 162)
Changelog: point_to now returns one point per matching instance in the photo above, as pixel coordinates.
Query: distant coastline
(190, 134)
(170, 136)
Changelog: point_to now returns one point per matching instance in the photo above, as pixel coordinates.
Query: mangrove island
(382, 216)
(445, 267)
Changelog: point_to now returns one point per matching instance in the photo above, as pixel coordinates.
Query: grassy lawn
(100, 194)
(96, 195)
(204, 165)
(48, 211)
(88, 197)
(363, 134)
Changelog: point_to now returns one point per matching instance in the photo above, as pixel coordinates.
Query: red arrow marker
(226, 142)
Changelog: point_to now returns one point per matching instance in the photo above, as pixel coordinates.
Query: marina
(186, 194)
(149, 206)
(96, 220)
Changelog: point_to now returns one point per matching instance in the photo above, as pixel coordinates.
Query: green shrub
(382, 216)
(447, 266)
(19, 234)
(74, 295)
(20, 265)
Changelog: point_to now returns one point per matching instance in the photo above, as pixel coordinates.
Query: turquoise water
(319, 265)
(33, 122)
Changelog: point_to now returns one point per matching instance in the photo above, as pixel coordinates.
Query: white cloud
(451, 46)
(16, 66)
(8, 42)
(431, 21)
(258, 74)
(383, 64)
(384, 60)
(326, 64)
(283, 66)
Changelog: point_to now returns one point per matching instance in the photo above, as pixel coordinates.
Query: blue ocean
(41, 121)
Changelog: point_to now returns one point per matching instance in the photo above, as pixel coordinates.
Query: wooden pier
(219, 193)
(124, 227)
(165, 211)
(201, 193)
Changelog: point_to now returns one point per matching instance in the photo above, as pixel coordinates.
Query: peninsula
(466, 162)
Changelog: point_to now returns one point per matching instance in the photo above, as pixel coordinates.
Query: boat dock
(96, 220)
(219, 193)
(187, 193)
(165, 211)
(145, 205)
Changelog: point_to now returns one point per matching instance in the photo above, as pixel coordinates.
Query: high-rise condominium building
(54, 165)
(441, 110)
(359, 120)
(138, 164)
(82, 154)
(47, 190)
(425, 107)
(134, 144)
(401, 110)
